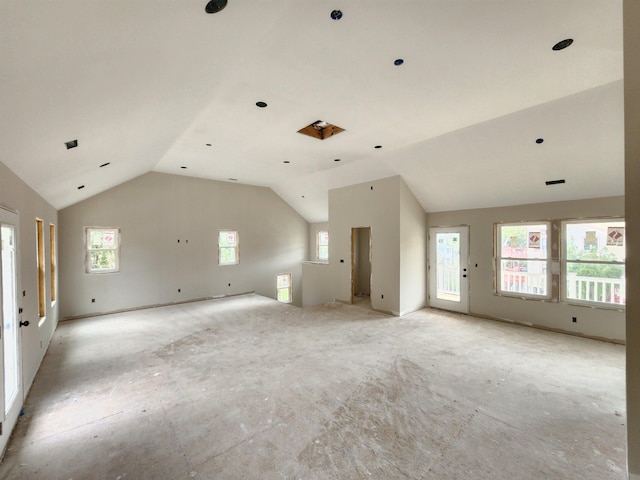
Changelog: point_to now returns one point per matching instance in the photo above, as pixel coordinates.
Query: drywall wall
(595, 322)
(316, 284)
(631, 15)
(18, 196)
(373, 204)
(413, 252)
(169, 229)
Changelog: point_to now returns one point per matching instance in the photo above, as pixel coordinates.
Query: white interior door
(449, 268)
(11, 383)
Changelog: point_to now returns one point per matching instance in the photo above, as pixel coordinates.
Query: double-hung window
(594, 261)
(283, 287)
(322, 246)
(228, 246)
(102, 250)
(522, 259)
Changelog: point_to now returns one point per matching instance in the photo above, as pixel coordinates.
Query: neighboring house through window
(228, 247)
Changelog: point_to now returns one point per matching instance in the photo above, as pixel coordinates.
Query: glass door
(448, 268)
(11, 350)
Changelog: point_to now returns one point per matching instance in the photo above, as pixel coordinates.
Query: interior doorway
(361, 265)
(11, 384)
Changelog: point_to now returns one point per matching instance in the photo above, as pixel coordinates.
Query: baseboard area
(146, 307)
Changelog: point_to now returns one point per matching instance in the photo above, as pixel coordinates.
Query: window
(283, 283)
(522, 259)
(52, 260)
(103, 250)
(228, 247)
(594, 261)
(322, 246)
(40, 260)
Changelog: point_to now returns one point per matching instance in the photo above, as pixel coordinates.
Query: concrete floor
(247, 388)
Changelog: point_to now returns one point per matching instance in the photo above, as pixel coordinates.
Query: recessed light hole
(183, 167)
(261, 104)
(286, 161)
(539, 140)
(208, 144)
(105, 164)
(378, 146)
(561, 45)
(336, 14)
(337, 160)
(233, 179)
(214, 6)
(398, 62)
(80, 187)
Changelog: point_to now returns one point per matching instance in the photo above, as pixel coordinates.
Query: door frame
(353, 261)
(463, 305)
(12, 218)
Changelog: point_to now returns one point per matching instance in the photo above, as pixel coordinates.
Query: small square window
(228, 247)
(283, 286)
(102, 250)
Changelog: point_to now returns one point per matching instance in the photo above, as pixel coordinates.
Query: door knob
(24, 324)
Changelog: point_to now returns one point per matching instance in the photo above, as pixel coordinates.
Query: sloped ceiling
(161, 85)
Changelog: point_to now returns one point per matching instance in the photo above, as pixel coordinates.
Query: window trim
(53, 262)
(564, 261)
(236, 247)
(40, 260)
(88, 250)
(318, 245)
(497, 246)
(290, 287)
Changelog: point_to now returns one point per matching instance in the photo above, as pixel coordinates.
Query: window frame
(88, 250)
(564, 261)
(40, 260)
(498, 258)
(53, 263)
(236, 247)
(289, 288)
(319, 244)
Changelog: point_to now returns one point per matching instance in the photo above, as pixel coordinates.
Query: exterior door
(11, 384)
(449, 268)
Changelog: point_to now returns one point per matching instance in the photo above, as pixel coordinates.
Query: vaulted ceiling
(163, 86)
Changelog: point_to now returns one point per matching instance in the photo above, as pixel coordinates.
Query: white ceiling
(146, 84)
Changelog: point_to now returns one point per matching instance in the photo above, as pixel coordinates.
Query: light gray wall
(595, 322)
(373, 204)
(18, 196)
(156, 210)
(632, 215)
(413, 252)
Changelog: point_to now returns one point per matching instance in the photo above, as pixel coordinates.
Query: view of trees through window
(283, 283)
(228, 247)
(594, 261)
(102, 249)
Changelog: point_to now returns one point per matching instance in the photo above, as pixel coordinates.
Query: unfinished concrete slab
(246, 387)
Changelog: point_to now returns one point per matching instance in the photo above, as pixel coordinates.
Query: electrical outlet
(575, 319)
(178, 290)
(93, 300)
(381, 296)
